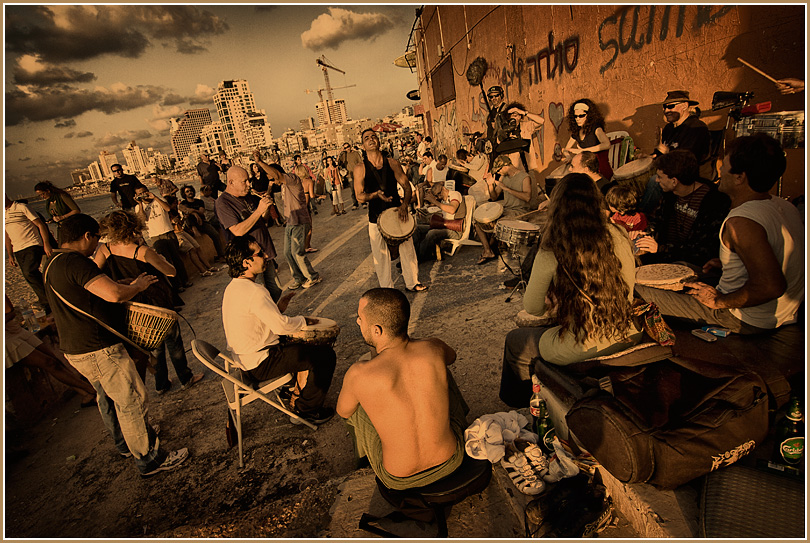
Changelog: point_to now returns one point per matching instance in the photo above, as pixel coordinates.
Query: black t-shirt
(692, 135)
(125, 187)
(196, 203)
(67, 273)
(209, 172)
(375, 180)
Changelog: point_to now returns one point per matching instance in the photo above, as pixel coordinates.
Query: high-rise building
(186, 130)
(106, 160)
(243, 126)
(331, 112)
(307, 124)
(95, 171)
(136, 159)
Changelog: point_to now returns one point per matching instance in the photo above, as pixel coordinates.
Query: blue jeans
(174, 344)
(271, 280)
(112, 373)
(296, 254)
(652, 196)
(29, 260)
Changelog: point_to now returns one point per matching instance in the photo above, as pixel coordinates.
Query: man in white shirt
(253, 323)
(155, 213)
(27, 241)
(478, 165)
(438, 172)
(453, 212)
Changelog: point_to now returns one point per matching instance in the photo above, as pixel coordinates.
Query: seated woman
(585, 273)
(587, 128)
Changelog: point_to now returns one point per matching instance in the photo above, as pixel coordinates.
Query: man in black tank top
(375, 183)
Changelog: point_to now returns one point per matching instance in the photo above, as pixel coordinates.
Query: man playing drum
(428, 237)
(375, 183)
(519, 197)
(405, 410)
(253, 323)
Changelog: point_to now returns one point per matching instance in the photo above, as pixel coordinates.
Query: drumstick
(757, 70)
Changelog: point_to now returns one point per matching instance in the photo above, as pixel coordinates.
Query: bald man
(240, 213)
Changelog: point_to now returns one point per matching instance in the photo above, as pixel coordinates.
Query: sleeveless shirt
(382, 179)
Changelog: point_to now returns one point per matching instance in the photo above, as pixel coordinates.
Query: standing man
(27, 241)
(351, 158)
(275, 156)
(240, 213)
(208, 173)
(496, 120)
(253, 323)
(155, 213)
(124, 185)
(95, 352)
(761, 249)
(297, 217)
(404, 409)
(375, 183)
(424, 146)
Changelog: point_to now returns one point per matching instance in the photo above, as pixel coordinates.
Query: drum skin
(487, 215)
(516, 233)
(394, 231)
(324, 332)
(635, 173)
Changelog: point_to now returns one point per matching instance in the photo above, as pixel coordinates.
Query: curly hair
(47, 186)
(236, 252)
(593, 121)
(588, 290)
(122, 227)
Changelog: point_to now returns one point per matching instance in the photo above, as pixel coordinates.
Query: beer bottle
(789, 435)
(541, 423)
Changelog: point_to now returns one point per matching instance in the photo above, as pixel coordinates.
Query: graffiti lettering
(565, 55)
(625, 35)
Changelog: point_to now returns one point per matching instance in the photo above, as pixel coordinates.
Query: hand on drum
(402, 213)
(705, 294)
(311, 320)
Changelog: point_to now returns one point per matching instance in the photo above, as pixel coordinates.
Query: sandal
(522, 474)
(534, 455)
(311, 250)
(418, 287)
(485, 259)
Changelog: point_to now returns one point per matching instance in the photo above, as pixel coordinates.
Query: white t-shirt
(422, 148)
(21, 228)
(439, 176)
(157, 219)
(252, 321)
(453, 195)
(785, 230)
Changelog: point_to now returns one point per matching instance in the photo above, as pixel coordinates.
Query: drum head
(322, 324)
(633, 168)
(559, 172)
(488, 212)
(655, 275)
(517, 225)
(391, 226)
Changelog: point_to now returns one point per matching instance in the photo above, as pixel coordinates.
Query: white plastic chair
(469, 201)
(237, 392)
(617, 154)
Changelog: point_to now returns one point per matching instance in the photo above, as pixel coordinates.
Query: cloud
(25, 159)
(41, 139)
(69, 135)
(67, 123)
(60, 33)
(172, 99)
(121, 138)
(84, 134)
(54, 103)
(339, 25)
(203, 94)
(28, 70)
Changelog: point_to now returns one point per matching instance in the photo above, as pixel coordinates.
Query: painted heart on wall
(556, 113)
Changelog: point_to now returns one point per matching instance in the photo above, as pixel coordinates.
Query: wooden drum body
(636, 173)
(393, 230)
(323, 332)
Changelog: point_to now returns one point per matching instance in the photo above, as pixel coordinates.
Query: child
(190, 246)
(622, 201)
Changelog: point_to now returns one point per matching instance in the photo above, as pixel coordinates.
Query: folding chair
(469, 201)
(238, 393)
(617, 154)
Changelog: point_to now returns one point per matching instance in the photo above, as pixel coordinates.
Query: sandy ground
(73, 484)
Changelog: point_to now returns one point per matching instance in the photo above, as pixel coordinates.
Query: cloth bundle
(486, 438)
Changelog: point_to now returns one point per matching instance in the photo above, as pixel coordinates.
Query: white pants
(382, 259)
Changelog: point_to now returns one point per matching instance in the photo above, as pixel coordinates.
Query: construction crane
(320, 91)
(325, 66)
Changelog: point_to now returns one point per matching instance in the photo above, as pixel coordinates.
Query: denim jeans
(29, 260)
(174, 344)
(213, 233)
(651, 197)
(296, 254)
(167, 246)
(271, 282)
(112, 373)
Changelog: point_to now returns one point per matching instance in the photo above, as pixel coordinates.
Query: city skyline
(83, 79)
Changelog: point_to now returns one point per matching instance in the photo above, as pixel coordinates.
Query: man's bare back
(404, 392)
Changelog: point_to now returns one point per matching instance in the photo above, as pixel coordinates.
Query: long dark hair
(588, 290)
(593, 121)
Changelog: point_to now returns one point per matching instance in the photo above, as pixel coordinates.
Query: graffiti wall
(624, 58)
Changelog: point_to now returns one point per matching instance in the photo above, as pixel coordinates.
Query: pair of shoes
(511, 283)
(485, 259)
(418, 287)
(522, 474)
(294, 286)
(172, 461)
(207, 273)
(534, 455)
(196, 378)
(314, 281)
(162, 391)
(318, 417)
(155, 428)
(311, 250)
(355, 206)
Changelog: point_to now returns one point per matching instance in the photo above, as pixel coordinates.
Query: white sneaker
(309, 282)
(172, 461)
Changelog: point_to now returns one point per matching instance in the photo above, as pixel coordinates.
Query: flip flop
(485, 259)
(311, 250)
(418, 287)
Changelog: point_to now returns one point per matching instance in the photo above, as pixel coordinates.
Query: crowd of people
(406, 413)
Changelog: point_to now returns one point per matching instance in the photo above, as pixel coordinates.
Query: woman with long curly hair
(587, 128)
(583, 274)
(125, 255)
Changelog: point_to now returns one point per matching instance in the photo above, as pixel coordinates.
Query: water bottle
(31, 321)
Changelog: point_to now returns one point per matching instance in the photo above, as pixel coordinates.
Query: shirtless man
(406, 412)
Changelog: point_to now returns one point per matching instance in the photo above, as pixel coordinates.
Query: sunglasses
(667, 107)
(580, 116)
(117, 171)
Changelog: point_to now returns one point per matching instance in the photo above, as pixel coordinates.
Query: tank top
(382, 179)
(121, 267)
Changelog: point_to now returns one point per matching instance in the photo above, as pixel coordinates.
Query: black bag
(670, 421)
(573, 507)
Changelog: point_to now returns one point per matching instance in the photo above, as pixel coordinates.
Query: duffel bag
(671, 421)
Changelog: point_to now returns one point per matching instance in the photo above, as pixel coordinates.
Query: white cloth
(562, 465)
(486, 438)
(785, 230)
(157, 219)
(20, 226)
(252, 321)
(19, 343)
(382, 259)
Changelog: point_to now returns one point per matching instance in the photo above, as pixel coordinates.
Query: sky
(82, 79)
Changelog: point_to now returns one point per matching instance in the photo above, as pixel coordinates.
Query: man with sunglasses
(124, 185)
(254, 328)
(497, 120)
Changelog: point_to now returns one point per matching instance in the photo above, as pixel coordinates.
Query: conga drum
(556, 175)
(395, 231)
(487, 214)
(664, 276)
(323, 332)
(636, 174)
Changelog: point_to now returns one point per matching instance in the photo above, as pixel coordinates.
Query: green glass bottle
(789, 435)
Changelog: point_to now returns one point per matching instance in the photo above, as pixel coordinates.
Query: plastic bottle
(30, 320)
(789, 435)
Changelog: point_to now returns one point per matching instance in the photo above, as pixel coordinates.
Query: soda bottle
(541, 423)
(789, 435)
(31, 321)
